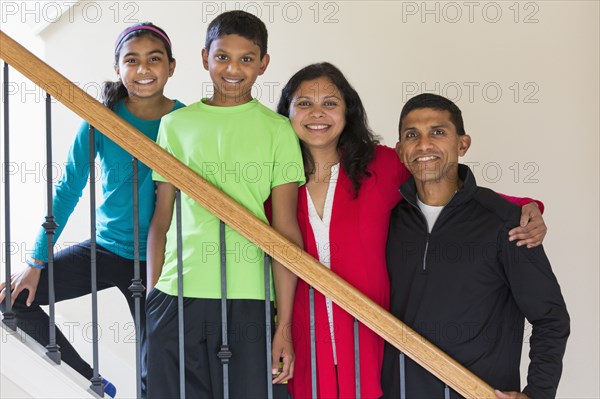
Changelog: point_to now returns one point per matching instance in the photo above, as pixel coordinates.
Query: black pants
(72, 279)
(203, 369)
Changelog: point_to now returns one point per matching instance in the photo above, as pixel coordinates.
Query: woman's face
(318, 113)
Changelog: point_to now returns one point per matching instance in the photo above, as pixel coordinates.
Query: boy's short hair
(239, 23)
(434, 101)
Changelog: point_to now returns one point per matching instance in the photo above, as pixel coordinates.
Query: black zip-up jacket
(467, 289)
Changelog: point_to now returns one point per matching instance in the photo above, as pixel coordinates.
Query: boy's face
(429, 145)
(233, 63)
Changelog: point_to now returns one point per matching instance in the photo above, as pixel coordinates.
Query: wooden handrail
(301, 263)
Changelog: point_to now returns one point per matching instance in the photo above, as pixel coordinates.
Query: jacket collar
(409, 188)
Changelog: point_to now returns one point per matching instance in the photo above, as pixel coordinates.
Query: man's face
(429, 145)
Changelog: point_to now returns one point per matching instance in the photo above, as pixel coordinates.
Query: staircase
(27, 373)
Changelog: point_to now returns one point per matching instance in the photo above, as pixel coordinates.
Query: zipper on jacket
(432, 227)
(425, 253)
(427, 234)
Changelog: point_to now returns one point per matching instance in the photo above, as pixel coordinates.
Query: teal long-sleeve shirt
(114, 214)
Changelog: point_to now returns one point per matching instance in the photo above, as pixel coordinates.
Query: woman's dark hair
(112, 92)
(357, 142)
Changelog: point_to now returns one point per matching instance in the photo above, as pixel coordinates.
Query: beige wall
(525, 75)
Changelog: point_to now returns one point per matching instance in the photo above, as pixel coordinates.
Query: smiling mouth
(426, 159)
(317, 127)
(232, 81)
(144, 81)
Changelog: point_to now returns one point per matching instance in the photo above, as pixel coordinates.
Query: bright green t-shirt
(245, 151)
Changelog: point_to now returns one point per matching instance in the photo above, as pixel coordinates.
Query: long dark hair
(357, 142)
(112, 92)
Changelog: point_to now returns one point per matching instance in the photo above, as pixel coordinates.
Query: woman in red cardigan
(343, 213)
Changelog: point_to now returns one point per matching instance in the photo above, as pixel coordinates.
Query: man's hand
(26, 279)
(282, 348)
(532, 229)
(510, 395)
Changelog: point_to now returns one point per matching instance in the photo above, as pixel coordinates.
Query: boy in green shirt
(250, 153)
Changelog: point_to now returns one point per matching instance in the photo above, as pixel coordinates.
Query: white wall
(525, 75)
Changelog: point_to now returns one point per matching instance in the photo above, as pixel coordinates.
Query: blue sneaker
(109, 388)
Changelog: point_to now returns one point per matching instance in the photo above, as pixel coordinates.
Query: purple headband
(141, 27)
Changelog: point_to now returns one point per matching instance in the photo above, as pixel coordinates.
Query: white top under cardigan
(320, 229)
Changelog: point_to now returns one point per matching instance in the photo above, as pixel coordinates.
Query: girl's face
(318, 113)
(144, 66)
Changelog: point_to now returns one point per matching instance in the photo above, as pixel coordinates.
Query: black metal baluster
(50, 227)
(96, 379)
(136, 287)
(9, 316)
(180, 321)
(267, 275)
(224, 353)
(402, 376)
(313, 343)
(357, 358)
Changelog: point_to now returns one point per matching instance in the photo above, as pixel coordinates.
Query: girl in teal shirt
(143, 63)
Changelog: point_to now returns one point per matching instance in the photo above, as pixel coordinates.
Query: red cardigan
(358, 233)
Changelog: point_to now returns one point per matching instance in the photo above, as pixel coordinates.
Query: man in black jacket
(456, 278)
